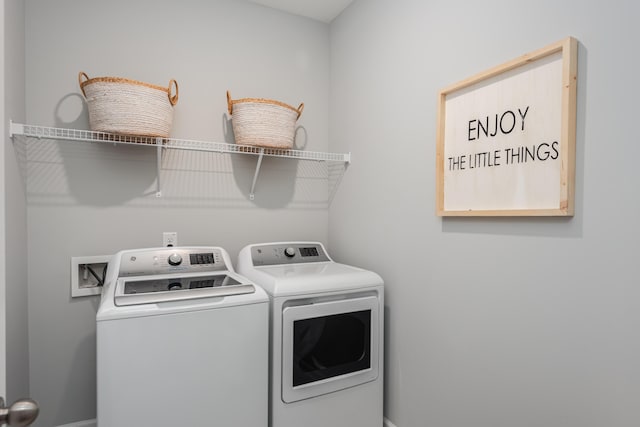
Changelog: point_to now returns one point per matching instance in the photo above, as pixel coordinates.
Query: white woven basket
(129, 107)
(263, 122)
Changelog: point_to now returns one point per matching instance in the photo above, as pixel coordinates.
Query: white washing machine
(182, 341)
(327, 327)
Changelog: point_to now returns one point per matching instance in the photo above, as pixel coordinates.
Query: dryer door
(329, 346)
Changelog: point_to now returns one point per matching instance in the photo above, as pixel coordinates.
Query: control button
(175, 286)
(290, 252)
(175, 259)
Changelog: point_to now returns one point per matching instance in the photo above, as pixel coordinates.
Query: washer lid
(164, 288)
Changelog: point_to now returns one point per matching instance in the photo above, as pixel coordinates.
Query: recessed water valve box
(87, 274)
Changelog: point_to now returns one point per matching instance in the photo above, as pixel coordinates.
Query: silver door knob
(22, 413)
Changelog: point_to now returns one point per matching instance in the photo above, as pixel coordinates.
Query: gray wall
(91, 200)
(15, 223)
(491, 322)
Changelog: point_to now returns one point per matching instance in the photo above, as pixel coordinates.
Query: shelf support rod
(255, 175)
(158, 165)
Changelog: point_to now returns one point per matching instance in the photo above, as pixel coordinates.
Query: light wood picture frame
(506, 138)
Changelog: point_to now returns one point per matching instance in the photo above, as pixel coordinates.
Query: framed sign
(506, 138)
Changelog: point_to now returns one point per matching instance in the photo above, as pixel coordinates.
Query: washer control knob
(174, 259)
(290, 252)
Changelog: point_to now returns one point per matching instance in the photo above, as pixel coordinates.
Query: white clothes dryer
(327, 328)
(182, 340)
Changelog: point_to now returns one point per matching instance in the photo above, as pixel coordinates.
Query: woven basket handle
(82, 75)
(229, 103)
(300, 108)
(173, 99)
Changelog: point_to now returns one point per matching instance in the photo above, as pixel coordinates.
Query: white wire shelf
(170, 143)
(44, 132)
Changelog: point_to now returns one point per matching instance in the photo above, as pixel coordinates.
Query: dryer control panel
(288, 253)
(170, 260)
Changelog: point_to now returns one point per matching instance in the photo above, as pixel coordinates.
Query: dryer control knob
(174, 259)
(290, 252)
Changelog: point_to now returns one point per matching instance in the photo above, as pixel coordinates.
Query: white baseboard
(85, 423)
(92, 423)
(387, 423)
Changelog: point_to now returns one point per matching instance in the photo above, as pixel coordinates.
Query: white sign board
(506, 138)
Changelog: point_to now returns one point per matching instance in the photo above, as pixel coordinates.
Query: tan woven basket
(263, 122)
(129, 107)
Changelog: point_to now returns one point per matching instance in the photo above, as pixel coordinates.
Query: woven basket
(263, 122)
(129, 107)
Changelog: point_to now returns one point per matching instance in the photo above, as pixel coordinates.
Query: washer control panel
(170, 260)
(288, 253)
